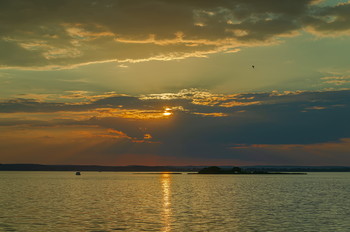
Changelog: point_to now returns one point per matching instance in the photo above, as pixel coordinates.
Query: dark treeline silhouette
(140, 168)
(217, 170)
(131, 168)
(238, 170)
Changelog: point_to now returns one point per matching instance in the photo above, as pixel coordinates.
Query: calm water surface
(61, 201)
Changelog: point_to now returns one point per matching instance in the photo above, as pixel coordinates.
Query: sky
(175, 82)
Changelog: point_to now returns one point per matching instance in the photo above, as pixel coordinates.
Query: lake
(112, 201)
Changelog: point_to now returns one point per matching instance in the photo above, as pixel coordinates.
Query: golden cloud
(138, 31)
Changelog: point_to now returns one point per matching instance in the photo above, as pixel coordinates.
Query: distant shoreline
(140, 168)
(241, 171)
(267, 173)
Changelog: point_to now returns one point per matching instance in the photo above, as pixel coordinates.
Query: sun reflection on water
(166, 181)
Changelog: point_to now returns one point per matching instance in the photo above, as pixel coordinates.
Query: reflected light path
(166, 214)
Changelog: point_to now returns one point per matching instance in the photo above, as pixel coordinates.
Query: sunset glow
(188, 82)
(174, 115)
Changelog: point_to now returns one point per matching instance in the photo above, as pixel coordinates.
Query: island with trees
(238, 170)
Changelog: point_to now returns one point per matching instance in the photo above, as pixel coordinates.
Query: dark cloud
(35, 33)
(330, 21)
(280, 124)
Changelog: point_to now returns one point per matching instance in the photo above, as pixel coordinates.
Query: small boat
(77, 174)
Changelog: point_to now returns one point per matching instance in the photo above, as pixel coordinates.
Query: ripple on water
(61, 201)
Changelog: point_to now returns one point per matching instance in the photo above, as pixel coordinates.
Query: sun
(167, 111)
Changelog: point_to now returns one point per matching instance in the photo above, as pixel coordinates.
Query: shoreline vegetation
(239, 171)
(265, 169)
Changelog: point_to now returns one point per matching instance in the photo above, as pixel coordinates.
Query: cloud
(37, 34)
(299, 154)
(199, 127)
(316, 108)
(336, 80)
(68, 144)
(330, 21)
(212, 114)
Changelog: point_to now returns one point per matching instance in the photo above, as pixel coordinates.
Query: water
(61, 201)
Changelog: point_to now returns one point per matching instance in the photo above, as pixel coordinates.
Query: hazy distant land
(239, 171)
(140, 168)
